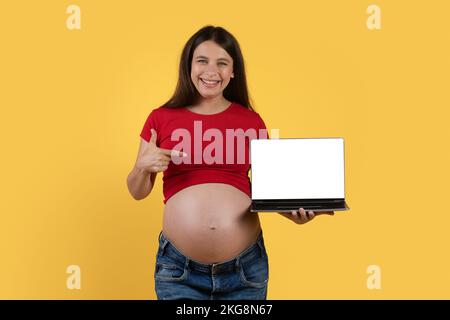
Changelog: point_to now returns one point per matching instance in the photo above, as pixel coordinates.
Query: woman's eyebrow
(198, 57)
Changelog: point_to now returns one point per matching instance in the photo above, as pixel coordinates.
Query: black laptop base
(287, 205)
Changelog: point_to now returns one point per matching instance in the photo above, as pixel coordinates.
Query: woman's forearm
(140, 183)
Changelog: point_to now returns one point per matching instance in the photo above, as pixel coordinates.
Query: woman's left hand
(301, 216)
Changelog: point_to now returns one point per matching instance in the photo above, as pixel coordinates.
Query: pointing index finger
(173, 152)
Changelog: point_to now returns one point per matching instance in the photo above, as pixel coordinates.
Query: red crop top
(217, 145)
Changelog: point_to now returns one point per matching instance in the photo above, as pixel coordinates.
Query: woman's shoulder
(248, 113)
(251, 117)
(244, 110)
(163, 110)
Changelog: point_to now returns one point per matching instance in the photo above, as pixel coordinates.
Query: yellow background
(73, 103)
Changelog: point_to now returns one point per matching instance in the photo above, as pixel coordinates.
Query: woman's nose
(211, 69)
(211, 75)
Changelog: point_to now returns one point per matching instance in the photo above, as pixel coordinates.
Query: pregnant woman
(211, 246)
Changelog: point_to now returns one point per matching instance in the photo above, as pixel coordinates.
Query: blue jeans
(179, 277)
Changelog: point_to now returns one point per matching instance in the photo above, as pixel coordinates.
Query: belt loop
(163, 245)
(186, 263)
(261, 246)
(237, 264)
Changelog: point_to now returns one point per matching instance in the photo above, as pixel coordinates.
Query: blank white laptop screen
(310, 168)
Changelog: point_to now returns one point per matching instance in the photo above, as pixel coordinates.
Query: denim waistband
(254, 251)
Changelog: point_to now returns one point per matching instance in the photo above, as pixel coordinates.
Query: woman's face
(211, 62)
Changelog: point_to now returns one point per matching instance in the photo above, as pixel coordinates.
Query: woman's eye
(222, 63)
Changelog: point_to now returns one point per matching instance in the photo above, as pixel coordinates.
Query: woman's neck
(210, 106)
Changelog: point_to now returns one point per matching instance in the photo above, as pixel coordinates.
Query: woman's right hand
(154, 159)
(301, 216)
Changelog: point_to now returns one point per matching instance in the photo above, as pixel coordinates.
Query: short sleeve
(263, 133)
(149, 124)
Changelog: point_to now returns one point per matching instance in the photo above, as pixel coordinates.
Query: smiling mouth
(210, 83)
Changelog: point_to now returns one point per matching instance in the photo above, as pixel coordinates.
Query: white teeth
(209, 82)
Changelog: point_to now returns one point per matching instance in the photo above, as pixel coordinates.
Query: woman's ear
(232, 75)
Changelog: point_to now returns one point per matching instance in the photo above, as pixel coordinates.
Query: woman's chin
(209, 95)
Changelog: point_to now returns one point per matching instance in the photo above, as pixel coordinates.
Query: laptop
(288, 174)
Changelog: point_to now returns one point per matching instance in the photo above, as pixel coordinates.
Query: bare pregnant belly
(210, 222)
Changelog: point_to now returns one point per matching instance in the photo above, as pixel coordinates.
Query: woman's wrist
(142, 171)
